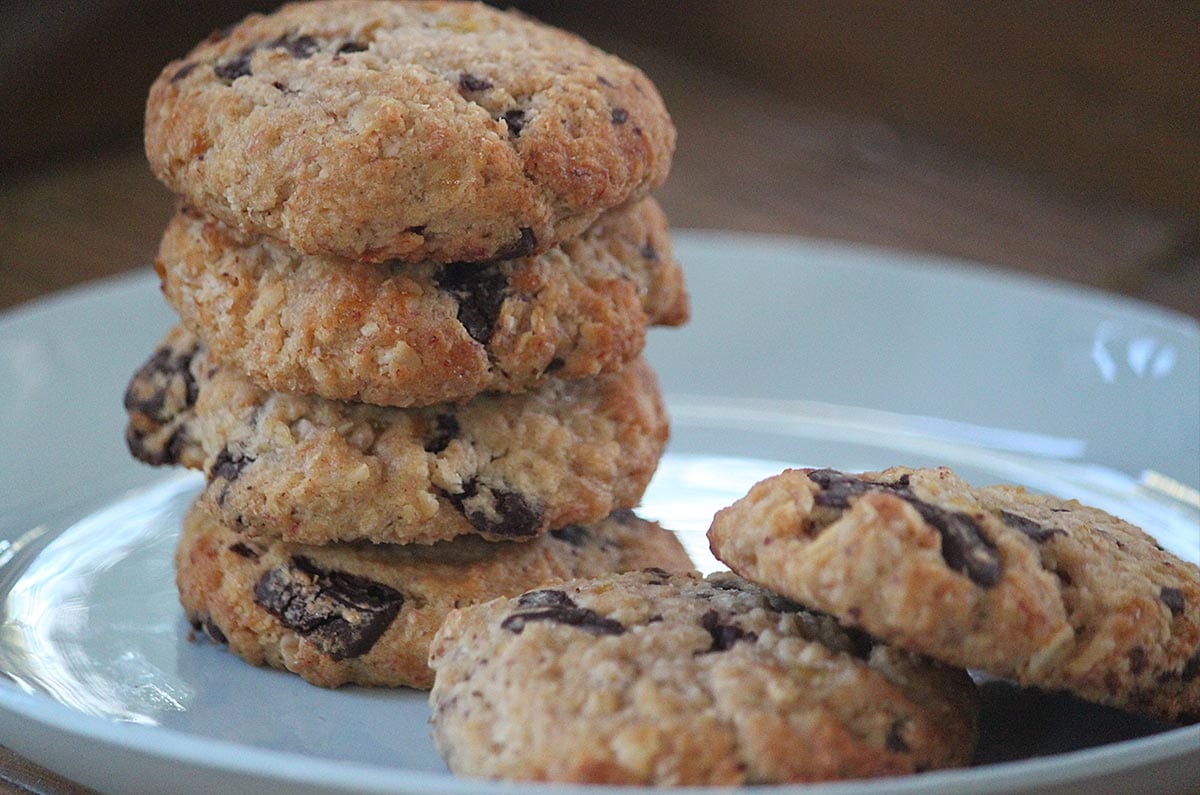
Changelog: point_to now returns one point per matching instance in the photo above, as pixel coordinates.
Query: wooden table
(750, 158)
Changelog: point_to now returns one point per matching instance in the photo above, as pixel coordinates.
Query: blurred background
(1054, 138)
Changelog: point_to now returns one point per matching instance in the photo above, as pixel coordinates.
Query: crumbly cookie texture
(1044, 591)
(421, 334)
(433, 131)
(650, 678)
(365, 613)
(311, 470)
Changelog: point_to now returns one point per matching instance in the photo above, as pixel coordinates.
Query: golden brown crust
(1044, 591)
(645, 678)
(311, 470)
(435, 131)
(422, 334)
(233, 588)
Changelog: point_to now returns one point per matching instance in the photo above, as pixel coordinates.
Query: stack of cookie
(414, 259)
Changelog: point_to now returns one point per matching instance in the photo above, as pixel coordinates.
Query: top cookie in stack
(411, 203)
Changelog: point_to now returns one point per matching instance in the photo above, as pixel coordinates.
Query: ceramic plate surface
(800, 354)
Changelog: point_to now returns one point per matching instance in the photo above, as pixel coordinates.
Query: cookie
(436, 131)
(423, 334)
(311, 470)
(1044, 591)
(650, 678)
(365, 613)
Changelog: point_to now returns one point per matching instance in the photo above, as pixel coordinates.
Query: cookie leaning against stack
(414, 259)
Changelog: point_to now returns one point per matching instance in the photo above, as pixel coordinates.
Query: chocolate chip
(243, 550)
(233, 68)
(446, 429)
(183, 71)
(965, 547)
(576, 535)
(1173, 599)
(296, 46)
(480, 291)
(895, 738)
(515, 119)
(164, 386)
(557, 607)
(351, 46)
(1030, 528)
(723, 635)
(523, 246)
(649, 252)
(469, 82)
(514, 514)
(343, 614)
(545, 597)
(1191, 668)
(624, 516)
(213, 631)
(555, 364)
(1137, 660)
(228, 465)
(619, 116)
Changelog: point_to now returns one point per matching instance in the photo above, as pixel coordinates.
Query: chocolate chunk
(1191, 669)
(965, 547)
(649, 252)
(624, 516)
(469, 82)
(233, 68)
(557, 607)
(1173, 599)
(523, 246)
(183, 71)
(300, 47)
(545, 597)
(555, 364)
(515, 119)
(1137, 660)
(514, 514)
(619, 116)
(895, 738)
(351, 46)
(723, 635)
(243, 550)
(576, 535)
(164, 386)
(228, 465)
(480, 291)
(213, 631)
(1035, 531)
(446, 429)
(342, 613)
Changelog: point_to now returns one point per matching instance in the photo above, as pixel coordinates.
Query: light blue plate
(800, 353)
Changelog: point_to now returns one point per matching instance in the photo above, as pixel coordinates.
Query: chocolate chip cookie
(650, 678)
(419, 334)
(365, 613)
(1044, 591)
(432, 131)
(311, 470)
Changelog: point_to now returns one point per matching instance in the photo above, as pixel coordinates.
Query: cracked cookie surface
(417, 131)
(365, 613)
(307, 469)
(1048, 592)
(650, 678)
(405, 335)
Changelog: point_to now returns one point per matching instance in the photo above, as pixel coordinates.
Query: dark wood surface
(829, 126)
